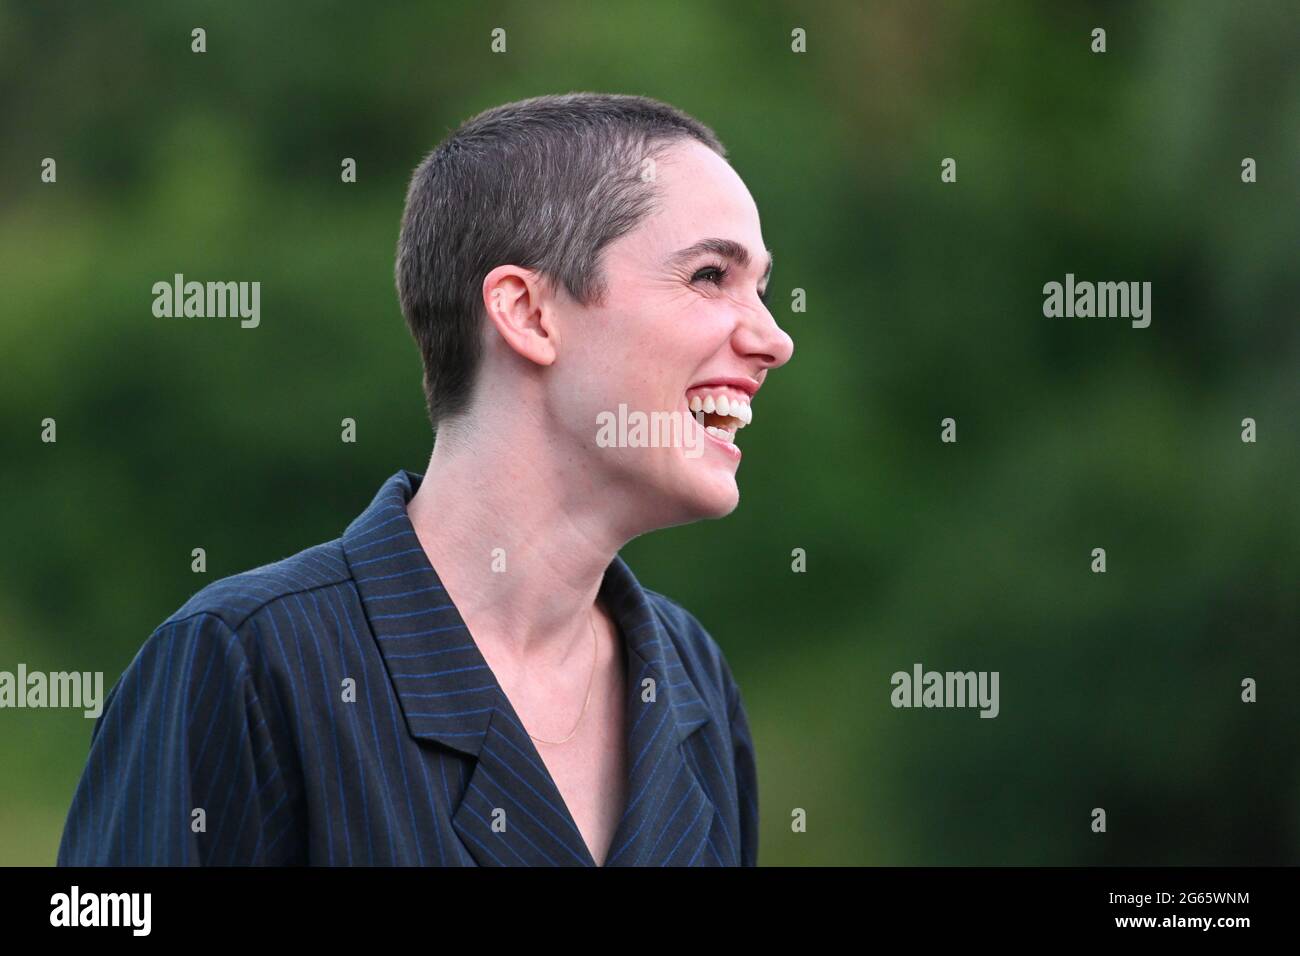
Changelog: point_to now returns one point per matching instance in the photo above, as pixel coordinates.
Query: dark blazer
(332, 708)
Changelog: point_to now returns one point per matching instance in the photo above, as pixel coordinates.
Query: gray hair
(543, 183)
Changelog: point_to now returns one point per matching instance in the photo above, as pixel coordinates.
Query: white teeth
(737, 408)
(719, 433)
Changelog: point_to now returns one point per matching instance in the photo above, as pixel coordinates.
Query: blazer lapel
(511, 813)
(668, 815)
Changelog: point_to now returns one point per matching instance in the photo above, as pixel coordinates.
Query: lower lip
(729, 447)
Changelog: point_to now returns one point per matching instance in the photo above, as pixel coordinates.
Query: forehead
(698, 195)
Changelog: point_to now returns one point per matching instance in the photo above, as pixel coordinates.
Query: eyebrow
(726, 248)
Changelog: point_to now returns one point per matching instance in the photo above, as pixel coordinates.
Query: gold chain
(590, 681)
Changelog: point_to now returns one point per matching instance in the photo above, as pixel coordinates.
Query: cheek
(690, 336)
(652, 356)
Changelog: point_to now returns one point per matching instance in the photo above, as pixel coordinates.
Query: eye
(714, 272)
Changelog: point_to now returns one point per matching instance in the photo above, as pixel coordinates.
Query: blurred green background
(1119, 690)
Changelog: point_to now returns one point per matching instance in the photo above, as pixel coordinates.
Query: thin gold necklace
(590, 681)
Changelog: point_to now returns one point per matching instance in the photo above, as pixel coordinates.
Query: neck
(519, 541)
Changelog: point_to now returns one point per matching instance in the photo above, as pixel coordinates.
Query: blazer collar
(511, 812)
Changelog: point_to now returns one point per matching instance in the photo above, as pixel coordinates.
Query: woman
(471, 674)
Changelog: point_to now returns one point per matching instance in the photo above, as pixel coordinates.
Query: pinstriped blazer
(331, 708)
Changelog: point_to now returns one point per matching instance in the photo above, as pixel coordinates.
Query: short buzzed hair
(543, 183)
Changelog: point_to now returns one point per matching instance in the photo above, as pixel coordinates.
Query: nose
(758, 337)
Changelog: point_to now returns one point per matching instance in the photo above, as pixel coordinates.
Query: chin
(682, 489)
(725, 502)
(713, 496)
(694, 498)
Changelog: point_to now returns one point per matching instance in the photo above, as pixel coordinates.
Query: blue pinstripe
(248, 724)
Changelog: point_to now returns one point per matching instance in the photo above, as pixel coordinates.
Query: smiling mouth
(721, 411)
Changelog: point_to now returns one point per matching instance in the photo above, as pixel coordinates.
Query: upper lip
(746, 385)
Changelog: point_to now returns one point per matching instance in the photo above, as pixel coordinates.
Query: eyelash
(722, 271)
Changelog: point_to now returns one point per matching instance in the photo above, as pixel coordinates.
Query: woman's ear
(519, 306)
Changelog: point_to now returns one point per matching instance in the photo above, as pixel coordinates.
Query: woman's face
(682, 327)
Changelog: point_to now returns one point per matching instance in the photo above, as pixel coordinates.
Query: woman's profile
(471, 674)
